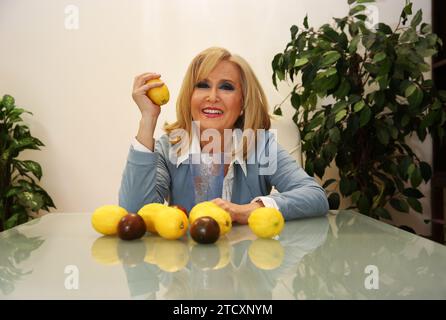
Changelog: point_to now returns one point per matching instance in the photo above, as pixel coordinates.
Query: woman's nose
(213, 96)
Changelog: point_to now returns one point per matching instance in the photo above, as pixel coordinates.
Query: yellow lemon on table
(105, 219)
(171, 223)
(210, 209)
(104, 250)
(266, 222)
(202, 205)
(149, 212)
(158, 95)
(266, 254)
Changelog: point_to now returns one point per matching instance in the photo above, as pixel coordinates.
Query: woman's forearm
(146, 131)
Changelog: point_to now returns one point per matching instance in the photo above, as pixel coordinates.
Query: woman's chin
(215, 123)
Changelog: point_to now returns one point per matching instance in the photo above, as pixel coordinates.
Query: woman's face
(217, 100)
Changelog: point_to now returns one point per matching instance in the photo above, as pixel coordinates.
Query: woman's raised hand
(146, 106)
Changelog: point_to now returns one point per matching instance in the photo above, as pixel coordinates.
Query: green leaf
(383, 213)
(384, 28)
(341, 114)
(356, 9)
(442, 94)
(416, 178)
(383, 82)
(363, 204)
(12, 221)
(353, 46)
(333, 201)
(309, 168)
(426, 53)
(30, 166)
(330, 57)
(277, 111)
(413, 193)
(327, 73)
(12, 191)
(343, 89)
(368, 40)
(406, 12)
(31, 200)
(329, 152)
(405, 120)
(355, 196)
(328, 183)
(306, 22)
(344, 186)
(417, 19)
(426, 28)
(380, 56)
(8, 101)
(383, 135)
(415, 98)
(338, 106)
(410, 90)
(319, 167)
(399, 205)
(300, 62)
(410, 168)
(361, 17)
(294, 29)
(364, 116)
(415, 204)
(426, 171)
(359, 105)
(409, 35)
(316, 122)
(295, 100)
(334, 134)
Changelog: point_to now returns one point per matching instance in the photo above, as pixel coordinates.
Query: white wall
(78, 82)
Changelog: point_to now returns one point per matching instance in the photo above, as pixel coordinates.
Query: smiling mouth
(212, 112)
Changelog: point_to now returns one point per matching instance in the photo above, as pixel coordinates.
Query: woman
(219, 93)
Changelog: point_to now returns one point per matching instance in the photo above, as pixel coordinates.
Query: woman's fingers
(143, 78)
(143, 89)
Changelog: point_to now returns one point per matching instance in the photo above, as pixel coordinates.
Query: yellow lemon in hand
(105, 219)
(210, 209)
(158, 95)
(149, 212)
(171, 223)
(266, 222)
(266, 254)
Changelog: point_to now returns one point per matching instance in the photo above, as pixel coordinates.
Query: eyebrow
(222, 80)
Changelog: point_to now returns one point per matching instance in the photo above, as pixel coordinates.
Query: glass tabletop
(344, 255)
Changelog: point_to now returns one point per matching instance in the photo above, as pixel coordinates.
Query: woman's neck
(220, 145)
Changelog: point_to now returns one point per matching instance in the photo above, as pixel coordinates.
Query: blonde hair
(255, 105)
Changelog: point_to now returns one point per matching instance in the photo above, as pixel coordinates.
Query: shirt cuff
(139, 146)
(267, 202)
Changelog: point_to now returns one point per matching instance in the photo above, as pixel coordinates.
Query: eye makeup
(224, 86)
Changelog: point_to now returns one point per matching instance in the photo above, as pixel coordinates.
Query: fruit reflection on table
(169, 246)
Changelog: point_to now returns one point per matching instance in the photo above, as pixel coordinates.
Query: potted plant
(19, 192)
(359, 93)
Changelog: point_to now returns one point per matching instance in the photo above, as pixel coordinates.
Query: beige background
(78, 82)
